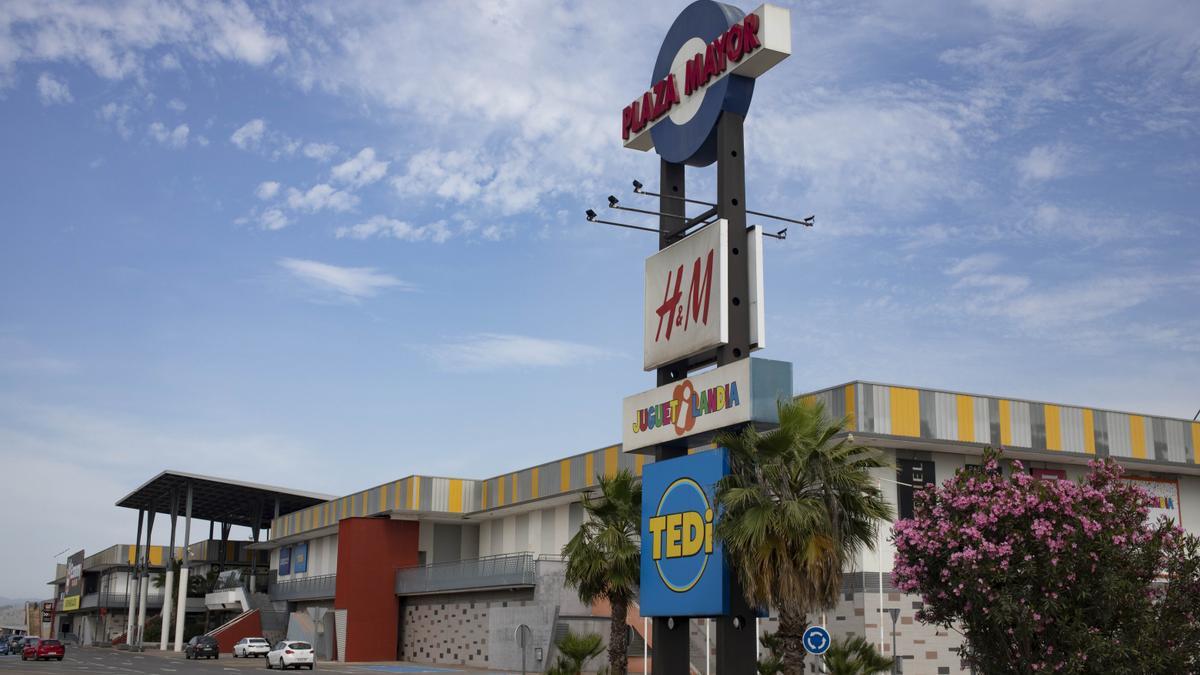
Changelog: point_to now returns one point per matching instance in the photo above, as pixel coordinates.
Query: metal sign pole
(671, 634)
(736, 640)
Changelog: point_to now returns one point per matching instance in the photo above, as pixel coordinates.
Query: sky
(327, 245)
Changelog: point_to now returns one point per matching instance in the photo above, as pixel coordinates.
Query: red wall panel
(369, 551)
(245, 625)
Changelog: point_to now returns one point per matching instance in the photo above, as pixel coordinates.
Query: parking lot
(119, 662)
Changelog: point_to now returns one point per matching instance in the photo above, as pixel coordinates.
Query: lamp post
(894, 612)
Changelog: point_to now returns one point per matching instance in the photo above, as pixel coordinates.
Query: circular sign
(688, 135)
(688, 519)
(816, 640)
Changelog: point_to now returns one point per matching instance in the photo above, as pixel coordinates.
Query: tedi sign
(706, 65)
(683, 564)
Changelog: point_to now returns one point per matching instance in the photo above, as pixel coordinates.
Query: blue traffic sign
(816, 640)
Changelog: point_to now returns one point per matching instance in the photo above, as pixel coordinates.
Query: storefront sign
(706, 65)
(300, 558)
(1166, 498)
(686, 296)
(74, 585)
(744, 391)
(683, 564)
(285, 561)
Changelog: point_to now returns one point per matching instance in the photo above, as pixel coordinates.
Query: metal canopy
(221, 499)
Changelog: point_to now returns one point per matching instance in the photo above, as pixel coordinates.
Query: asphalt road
(120, 662)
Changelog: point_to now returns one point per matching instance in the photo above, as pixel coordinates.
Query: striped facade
(890, 410)
(880, 409)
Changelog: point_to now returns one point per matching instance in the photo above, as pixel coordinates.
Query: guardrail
(306, 588)
(511, 570)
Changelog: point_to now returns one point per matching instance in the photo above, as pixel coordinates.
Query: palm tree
(798, 505)
(604, 557)
(855, 656)
(575, 650)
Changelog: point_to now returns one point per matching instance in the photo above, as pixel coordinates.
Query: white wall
(548, 532)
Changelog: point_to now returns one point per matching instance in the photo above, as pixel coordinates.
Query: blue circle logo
(696, 51)
(681, 536)
(816, 640)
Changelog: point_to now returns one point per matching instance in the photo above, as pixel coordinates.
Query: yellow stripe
(1137, 435)
(533, 483)
(456, 495)
(809, 399)
(1053, 427)
(383, 498)
(906, 412)
(156, 555)
(589, 468)
(416, 492)
(500, 483)
(853, 424)
(516, 494)
(1196, 442)
(641, 461)
(483, 496)
(610, 461)
(965, 406)
(564, 471)
(1005, 423)
(1089, 432)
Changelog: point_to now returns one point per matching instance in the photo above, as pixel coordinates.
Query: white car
(291, 654)
(251, 646)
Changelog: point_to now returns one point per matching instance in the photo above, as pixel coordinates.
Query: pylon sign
(706, 66)
(683, 564)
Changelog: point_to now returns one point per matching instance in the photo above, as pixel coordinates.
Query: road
(120, 662)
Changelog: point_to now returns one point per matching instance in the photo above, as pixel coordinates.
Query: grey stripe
(994, 416)
(927, 408)
(1037, 424)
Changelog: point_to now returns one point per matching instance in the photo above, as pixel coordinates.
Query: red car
(38, 649)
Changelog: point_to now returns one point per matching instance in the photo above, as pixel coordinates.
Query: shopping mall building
(443, 570)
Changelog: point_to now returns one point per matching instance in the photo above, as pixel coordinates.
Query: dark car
(4, 646)
(201, 646)
(38, 650)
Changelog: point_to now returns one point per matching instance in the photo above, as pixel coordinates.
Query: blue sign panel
(683, 565)
(285, 561)
(300, 558)
(816, 640)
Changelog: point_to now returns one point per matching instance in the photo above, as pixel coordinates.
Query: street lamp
(894, 612)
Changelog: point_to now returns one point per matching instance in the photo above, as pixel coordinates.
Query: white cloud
(249, 134)
(494, 351)
(117, 114)
(176, 105)
(362, 169)
(382, 226)
(267, 189)
(172, 138)
(273, 219)
(347, 283)
(453, 175)
(976, 264)
(319, 197)
(1046, 162)
(51, 90)
(320, 151)
(116, 39)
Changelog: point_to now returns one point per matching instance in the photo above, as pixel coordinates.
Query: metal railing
(510, 570)
(307, 588)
